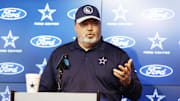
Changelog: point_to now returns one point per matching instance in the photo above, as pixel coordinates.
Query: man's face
(88, 31)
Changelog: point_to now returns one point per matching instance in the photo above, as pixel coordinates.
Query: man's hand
(124, 74)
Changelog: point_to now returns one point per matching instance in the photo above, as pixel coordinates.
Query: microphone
(63, 62)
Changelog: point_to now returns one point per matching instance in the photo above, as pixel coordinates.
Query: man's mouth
(90, 35)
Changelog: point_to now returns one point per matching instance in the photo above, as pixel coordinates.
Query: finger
(118, 75)
(122, 68)
(126, 70)
(130, 61)
(128, 65)
(118, 72)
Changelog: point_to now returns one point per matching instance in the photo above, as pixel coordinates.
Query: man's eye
(84, 24)
(96, 22)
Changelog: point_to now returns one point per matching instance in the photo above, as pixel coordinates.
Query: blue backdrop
(147, 30)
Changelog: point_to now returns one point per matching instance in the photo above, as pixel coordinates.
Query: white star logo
(102, 60)
(157, 41)
(120, 13)
(42, 66)
(47, 13)
(5, 95)
(9, 40)
(155, 96)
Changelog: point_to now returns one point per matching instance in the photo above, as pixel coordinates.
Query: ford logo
(121, 41)
(9, 68)
(12, 13)
(45, 41)
(156, 70)
(71, 13)
(158, 13)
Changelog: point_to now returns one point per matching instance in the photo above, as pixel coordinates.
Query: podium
(54, 96)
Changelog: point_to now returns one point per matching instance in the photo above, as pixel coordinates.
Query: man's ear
(75, 26)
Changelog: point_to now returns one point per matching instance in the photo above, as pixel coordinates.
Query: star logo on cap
(102, 60)
(88, 10)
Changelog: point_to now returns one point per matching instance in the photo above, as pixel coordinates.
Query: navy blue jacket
(90, 71)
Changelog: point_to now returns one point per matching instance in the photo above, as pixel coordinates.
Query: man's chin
(90, 41)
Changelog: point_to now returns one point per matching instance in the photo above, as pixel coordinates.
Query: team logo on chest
(102, 60)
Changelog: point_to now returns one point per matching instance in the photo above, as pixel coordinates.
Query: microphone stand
(59, 80)
(63, 64)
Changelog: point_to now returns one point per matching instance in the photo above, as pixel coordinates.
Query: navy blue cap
(87, 12)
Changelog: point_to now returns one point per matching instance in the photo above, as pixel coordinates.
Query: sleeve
(134, 90)
(48, 77)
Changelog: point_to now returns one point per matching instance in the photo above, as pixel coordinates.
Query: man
(95, 65)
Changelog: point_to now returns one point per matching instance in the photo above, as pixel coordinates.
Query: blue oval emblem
(9, 68)
(45, 41)
(158, 14)
(12, 13)
(156, 70)
(121, 41)
(71, 13)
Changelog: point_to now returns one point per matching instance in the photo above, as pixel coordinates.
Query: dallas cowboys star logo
(157, 41)
(10, 39)
(102, 60)
(5, 95)
(42, 66)
(120, 13)
(155, 96)
(47, 12)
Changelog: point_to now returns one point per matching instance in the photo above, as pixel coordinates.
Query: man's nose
(90, 27)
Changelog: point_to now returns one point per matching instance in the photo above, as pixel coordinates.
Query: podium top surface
(50, 96)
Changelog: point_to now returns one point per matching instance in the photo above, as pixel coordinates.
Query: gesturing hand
(124, 74)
